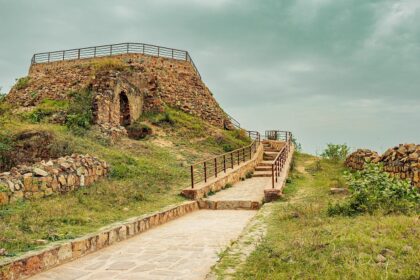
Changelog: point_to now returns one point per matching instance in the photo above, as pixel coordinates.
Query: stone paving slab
(184, 248)
(248, 190)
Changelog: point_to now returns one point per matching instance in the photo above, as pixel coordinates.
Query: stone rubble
(402, 161)
(357, 159)
(47, 177)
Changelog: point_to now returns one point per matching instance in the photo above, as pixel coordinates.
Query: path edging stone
(56, 254)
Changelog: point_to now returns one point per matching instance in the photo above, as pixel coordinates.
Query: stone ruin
(357, 159)
(402, 161)
(47, 177)
(124, 87)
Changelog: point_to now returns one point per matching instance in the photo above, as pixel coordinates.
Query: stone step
(265, 163)
(272, 150)
(262, 174)
(263, 168)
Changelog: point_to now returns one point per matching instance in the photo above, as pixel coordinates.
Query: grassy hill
(146, 174)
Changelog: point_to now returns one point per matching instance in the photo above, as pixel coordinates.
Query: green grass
(303, 242)
(144, 178)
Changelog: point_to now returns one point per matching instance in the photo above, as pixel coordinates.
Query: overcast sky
(341, 71)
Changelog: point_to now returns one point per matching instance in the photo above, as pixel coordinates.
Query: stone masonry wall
(402, 161)
(156, 81)
(54, 176)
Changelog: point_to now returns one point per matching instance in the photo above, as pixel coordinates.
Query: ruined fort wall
(157, 82)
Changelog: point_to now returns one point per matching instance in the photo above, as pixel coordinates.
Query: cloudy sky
(341, 71)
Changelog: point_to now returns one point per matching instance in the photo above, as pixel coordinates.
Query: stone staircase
(263, 169)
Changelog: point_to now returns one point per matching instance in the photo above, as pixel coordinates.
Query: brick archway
(125, 118)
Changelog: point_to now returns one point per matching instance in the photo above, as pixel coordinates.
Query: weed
(138, 130)
(22, 83)
(249, 174)
(228, 185)
(79, 115)
(373, 190)
(105, 64)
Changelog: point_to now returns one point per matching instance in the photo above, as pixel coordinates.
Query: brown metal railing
(204, 170)
(281, 158)
(113, 49)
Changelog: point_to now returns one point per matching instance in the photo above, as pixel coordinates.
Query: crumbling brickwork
(147, 82)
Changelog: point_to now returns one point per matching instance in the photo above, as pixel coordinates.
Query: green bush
(6, 143)
(298, 146)
(336, 152)
(79, 114)
(374, 190)
(138, 130)
(22, 83)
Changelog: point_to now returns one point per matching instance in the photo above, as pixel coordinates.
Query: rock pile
(47, 177)
(403, 161)
(357, 159)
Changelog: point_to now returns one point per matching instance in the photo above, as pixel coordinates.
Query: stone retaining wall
(38, 261)
(232, 176)
(47, 177)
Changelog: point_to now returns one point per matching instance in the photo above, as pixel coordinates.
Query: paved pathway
(184, 249)
(250, 189)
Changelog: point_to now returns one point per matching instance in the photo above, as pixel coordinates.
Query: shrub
(298, 146)
(138, 130)
(22, 83)
(79, 115)
(374, 190)
(45, 109)
(249, 174)
(6, 142)
(336, 152)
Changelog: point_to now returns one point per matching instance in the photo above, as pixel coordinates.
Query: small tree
(336, 152)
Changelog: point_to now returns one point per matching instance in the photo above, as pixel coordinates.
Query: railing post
(238, 158)
(78, 54)
(172, 53)
(128, 44)
(49, 57)
(224, 163)
(205, 172)
(158, 51)
(192, 176)
(110, 50)
(272, 175)
(231, 159)
(64, 54)
(143, 48)
(215, 167)
(94, 52)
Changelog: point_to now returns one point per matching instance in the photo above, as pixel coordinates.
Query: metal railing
(278, 135)
(111, 50)
(281, 158)
(234, 122)
(204, 170)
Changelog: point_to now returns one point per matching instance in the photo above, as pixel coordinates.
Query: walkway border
(56, 254)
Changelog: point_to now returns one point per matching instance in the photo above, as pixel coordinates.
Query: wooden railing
(114, 49)
(204, 170)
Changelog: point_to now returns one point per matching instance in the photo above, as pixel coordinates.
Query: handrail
(234, 122)
(203, 170)
(111, 50)
(280, 160)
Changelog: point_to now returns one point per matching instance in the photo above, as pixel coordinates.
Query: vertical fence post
(94, 52)
(215, 167)
(143, 48)
(231, 159)
(238, 158)
(128, 45)
(192, 176)
(272, 175)
(64, 54)
(158, 51)
(110, 50)
(205, 171)
(78, 53)
(224, 163)
(172, 53)
(49, 57)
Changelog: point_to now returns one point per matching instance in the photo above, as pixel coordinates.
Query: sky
(330, 71)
